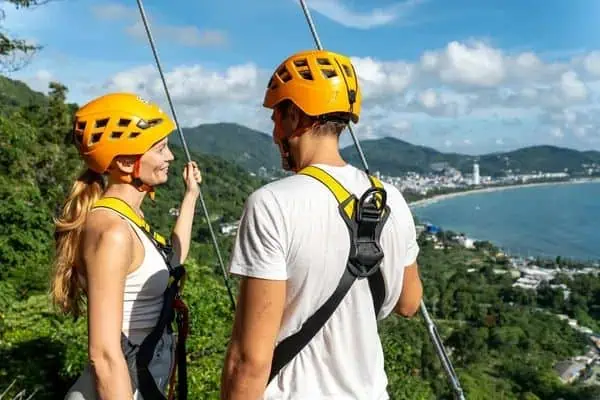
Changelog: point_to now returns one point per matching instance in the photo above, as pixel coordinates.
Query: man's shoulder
(289, 186)
(275, 191)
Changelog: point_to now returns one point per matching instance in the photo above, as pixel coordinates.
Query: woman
(105, 257)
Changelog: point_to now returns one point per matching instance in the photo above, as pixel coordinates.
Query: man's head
(313, 94)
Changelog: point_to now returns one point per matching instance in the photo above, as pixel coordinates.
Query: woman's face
(154, 164)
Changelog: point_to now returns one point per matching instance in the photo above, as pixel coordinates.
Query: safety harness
(138, 357)
(365, 218)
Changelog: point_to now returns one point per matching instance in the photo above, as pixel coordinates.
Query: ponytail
(66, 290)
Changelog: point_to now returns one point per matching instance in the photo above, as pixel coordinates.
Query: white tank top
(144, 290)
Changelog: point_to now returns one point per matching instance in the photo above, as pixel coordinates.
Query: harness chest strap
(173, 306)
(124, 209)
(349, 206)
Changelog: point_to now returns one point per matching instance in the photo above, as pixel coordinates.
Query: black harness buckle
(365, 251)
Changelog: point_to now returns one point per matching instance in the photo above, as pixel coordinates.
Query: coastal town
(528, 275)
(445, 178)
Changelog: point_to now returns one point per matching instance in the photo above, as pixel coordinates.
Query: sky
(467, 76)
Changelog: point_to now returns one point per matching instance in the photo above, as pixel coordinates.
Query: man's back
(292, 230)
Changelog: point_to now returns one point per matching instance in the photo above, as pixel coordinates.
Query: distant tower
(476, 177)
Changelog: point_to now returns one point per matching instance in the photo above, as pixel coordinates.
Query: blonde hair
(66, 290)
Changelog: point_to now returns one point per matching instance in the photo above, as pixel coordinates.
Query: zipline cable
(431, 329)
(185, 148)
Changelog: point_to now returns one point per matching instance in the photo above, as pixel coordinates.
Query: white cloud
(402, 126)
(200, 95)
(572, 88)
(40, 79)
(591, 63)
(338, 11)
(477, 65)
(113, 11)
(461, 80)
(380, 79)
(442, 104)
(185, 35)
(498, 95)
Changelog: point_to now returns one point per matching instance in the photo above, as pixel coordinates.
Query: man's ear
(299, 120)
(294, 116)
(124, 164)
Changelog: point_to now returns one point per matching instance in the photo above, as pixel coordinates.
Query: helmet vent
(133, 135)
(323, 61)
(301, 62)
(101, 123)
(116, 135)
(123, 122)
(284, 74)
(81, 125)
(328, 73)
(347, 70)
(306, 74)
(272, 83)
(95, 138)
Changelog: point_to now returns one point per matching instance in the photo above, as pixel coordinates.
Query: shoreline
(441, 197)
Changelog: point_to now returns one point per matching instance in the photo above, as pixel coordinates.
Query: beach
(441, 197)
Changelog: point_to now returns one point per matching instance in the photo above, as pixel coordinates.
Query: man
(292, 248)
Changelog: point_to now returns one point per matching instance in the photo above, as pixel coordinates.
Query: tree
(14, 52)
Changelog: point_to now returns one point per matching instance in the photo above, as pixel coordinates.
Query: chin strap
(134, 179)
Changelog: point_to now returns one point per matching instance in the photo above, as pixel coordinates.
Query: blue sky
(462, 76)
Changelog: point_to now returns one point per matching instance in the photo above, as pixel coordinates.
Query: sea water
(549, 221)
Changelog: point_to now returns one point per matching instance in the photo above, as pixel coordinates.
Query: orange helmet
(318, 82)
(118, 124)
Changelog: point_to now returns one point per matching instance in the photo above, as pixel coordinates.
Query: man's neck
(324, 150)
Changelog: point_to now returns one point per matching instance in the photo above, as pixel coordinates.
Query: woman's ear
(124, 164)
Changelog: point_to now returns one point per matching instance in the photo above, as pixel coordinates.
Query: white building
(230, 228)
(476, 177)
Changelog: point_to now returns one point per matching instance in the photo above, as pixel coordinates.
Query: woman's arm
(107, 253)
(182, 232)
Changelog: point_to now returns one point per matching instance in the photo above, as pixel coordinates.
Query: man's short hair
(328, 124)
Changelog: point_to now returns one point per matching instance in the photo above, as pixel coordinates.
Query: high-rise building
(476, 177)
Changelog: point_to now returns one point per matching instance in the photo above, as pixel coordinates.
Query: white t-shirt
(291, 230)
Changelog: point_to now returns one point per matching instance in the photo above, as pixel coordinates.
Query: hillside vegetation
(501, 351)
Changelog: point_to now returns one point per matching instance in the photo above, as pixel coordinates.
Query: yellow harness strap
(339, 191)
(125, 210)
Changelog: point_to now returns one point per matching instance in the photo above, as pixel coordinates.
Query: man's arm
(412, 292)
(249, 355)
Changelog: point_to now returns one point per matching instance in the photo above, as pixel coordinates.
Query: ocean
(548, 220)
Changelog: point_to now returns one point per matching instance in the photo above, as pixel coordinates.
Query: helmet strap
(133, 179)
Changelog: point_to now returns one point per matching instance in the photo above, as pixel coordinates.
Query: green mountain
(395, 157)
(15, 94)
(247, 147)
(252, 149)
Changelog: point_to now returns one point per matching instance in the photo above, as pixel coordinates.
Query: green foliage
(11, 47)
